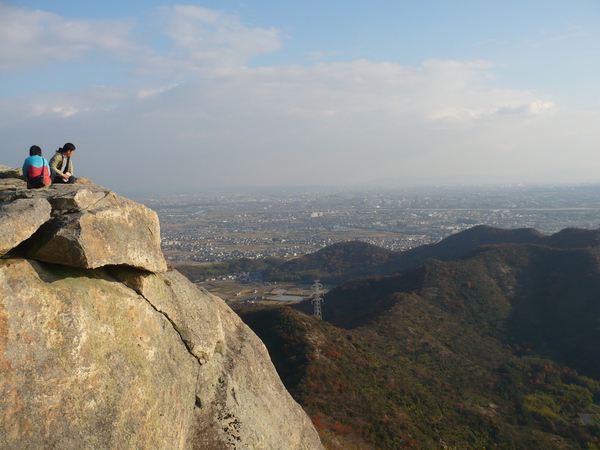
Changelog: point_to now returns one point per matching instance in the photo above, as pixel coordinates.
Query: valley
(475, 336)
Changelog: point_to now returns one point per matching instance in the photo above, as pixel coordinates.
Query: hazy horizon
(375, 186)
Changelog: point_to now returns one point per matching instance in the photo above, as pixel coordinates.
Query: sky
(160, 96)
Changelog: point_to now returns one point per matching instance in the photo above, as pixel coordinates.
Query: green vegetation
(332, 264)
(497, 348)
(355, 259)
(201, 272)
(389, 385)
(335, 263)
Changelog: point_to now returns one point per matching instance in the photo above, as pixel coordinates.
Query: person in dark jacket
(62, 165)
(36, 169)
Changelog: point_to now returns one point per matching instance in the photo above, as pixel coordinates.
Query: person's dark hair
(65, 148)
(35, 150)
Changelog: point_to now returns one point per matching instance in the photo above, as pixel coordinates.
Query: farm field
(235, 292)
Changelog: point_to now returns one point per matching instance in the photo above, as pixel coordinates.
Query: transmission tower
(317, 300)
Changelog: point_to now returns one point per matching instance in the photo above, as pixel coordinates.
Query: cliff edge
(102, 346)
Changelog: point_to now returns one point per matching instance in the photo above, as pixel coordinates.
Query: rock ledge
(102, 346)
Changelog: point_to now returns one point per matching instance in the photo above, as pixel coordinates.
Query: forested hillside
(348, 260)
(497, 347)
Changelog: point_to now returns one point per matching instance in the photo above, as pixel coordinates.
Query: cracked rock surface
(101, 346)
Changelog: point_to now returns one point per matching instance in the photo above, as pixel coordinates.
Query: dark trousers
(61, 180)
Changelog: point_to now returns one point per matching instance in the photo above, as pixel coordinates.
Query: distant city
(213, 227)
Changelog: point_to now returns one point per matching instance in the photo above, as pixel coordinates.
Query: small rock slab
(20, 219)
(10, 172)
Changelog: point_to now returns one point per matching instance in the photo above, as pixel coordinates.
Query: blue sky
(159, 95)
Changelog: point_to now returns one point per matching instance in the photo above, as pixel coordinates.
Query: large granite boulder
(89, 227)
(102, 347)
(86, 363)
(202, 331)
(95, 228)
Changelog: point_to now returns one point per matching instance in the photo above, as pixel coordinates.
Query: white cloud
(208, 34)
(533, 108)
(206, 40)
(204, 118)
(34, 38)
(199, 39)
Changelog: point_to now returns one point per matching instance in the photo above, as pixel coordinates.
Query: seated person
(62, 166)
(36, 169)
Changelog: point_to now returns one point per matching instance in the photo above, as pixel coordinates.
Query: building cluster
(218, 227)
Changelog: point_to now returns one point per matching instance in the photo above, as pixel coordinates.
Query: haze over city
(165, 97)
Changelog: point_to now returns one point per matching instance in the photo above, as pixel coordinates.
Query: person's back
(36, 169)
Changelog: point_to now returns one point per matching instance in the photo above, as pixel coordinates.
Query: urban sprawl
(219, 226)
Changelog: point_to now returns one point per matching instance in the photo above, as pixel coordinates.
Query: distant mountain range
(487, 338)
(348, 260)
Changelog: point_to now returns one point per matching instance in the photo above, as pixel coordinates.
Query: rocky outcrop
(93, 227)
(10, 182)
(20, 219)
(101, 346)
(10, 173)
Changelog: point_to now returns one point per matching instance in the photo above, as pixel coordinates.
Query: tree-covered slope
(335, 263)
(487, 350)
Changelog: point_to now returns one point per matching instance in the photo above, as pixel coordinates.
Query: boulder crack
(188, 345)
